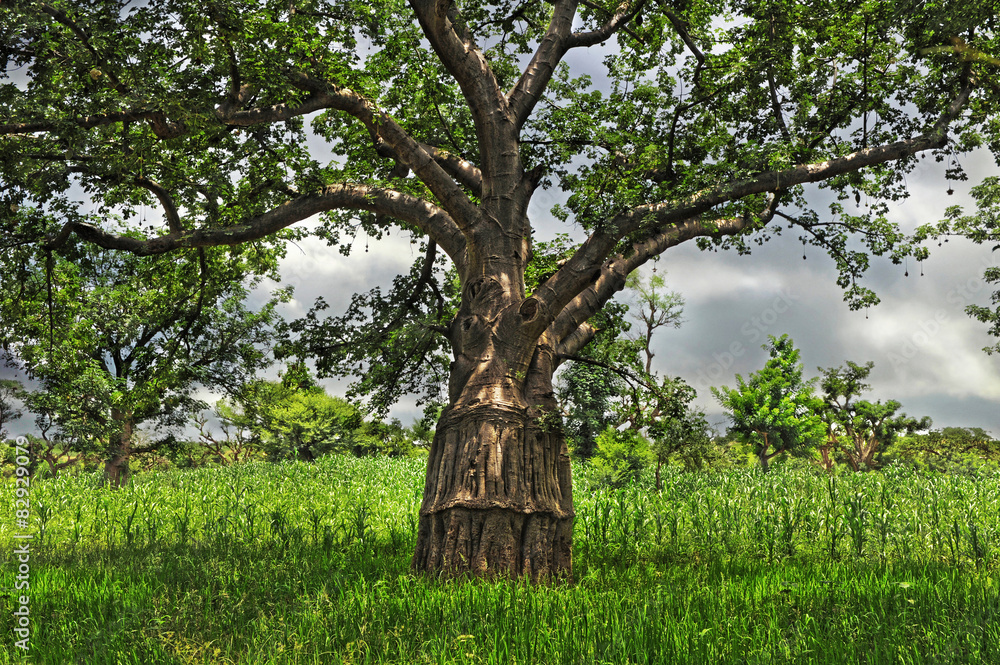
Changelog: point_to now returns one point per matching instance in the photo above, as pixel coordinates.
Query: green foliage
(619, 457)
(774, 408)
(967, 451)
(858, 429)
(295, 419)
(679, 432)
(309, 424)
(611, 382)
(118, 340)
(982, 227)
(390, 341)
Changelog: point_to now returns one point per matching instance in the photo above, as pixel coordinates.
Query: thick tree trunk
(498, 500)
(116, 466)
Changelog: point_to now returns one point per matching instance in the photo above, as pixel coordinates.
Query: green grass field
(299, 563)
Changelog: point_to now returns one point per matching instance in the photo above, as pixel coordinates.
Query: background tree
(774, 409)
(860, 430)
(442, 120)
(658, 308)
(611, 383)
(117, 340)
(589, 394)
(968, 450)
(619, 457)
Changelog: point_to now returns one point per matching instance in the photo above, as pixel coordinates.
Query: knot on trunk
(528, 309)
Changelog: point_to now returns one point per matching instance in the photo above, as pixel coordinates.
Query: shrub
(619, 457)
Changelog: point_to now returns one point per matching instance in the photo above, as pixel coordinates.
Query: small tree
(859, 429)
(678, 431)
(291, 419)
(589, 392)
(658, 308)
(774, 409)
(612, 381)
(118, 340)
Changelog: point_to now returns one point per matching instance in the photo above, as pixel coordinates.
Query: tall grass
(298, 563)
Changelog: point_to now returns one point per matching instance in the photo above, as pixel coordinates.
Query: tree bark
(498, 499)
(764, 461)
(116, 466)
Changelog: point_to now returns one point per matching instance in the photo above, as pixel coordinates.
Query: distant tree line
(620, 416)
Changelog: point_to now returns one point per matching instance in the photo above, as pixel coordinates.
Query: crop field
(308, 563)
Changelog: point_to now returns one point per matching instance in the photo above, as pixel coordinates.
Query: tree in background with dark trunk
(117, 341)
(857, 429)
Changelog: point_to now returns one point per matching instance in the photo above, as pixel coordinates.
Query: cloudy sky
(927, 351)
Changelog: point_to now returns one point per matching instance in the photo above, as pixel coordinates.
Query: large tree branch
(584, 267)
(390, 140)
(610, 277)
(465, 172)
(558, 39)
(626, 11)
(536, 76)
(167, 201)
(162, 128)
(573, 343)
(426, 216)
(451, 41)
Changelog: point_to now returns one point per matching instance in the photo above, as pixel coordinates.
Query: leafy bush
(308, 424)
(619, 457)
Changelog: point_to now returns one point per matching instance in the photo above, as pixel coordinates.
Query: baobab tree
(664, 122)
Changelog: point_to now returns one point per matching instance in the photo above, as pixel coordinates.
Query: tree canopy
(703, 120)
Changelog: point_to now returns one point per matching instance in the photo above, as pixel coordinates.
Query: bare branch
(776, 107)
(685, 36)
(426, 216)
